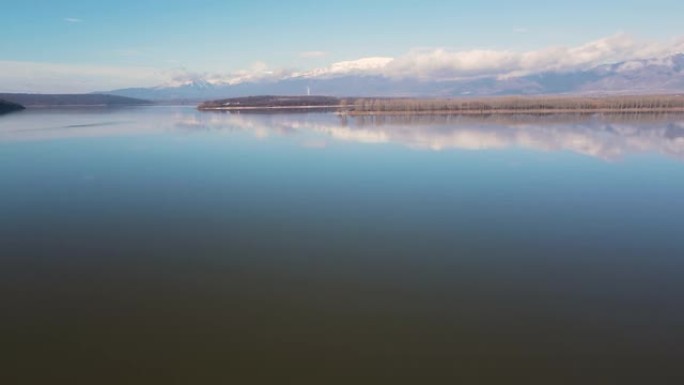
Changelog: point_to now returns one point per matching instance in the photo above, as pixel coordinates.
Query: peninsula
(6, 107)
(71, 100)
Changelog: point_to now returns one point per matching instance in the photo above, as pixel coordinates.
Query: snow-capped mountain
(367, 77)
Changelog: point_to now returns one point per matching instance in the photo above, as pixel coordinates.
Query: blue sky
(170, 36)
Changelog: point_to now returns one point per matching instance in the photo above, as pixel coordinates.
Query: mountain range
(655, 75)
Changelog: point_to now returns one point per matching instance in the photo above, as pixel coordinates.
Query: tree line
(536, 104)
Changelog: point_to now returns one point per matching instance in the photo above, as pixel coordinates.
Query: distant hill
(6, 107)
(72, 100)
(660, 75)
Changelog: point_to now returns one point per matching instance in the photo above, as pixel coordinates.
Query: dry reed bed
(516, 104)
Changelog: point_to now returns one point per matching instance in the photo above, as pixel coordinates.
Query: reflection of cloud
(92, 122)
(356, 135)
(605, 137)
(315, 143)
(599, 139)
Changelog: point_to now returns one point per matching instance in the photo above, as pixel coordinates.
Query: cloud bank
(433, 64)
(445, 64)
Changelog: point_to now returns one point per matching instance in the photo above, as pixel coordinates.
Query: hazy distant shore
(71, 100)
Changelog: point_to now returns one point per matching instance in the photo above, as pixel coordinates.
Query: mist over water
(164, 245)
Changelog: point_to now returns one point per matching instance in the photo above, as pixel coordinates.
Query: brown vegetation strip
(490, 105)
(520, 104)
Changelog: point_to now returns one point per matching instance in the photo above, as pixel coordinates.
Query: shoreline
(503, 105)
(519, 111)
(346, 110)
(248, 108)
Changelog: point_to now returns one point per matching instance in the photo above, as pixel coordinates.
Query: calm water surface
(167, 246)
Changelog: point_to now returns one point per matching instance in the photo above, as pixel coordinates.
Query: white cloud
(447, 64)
(73, 20)
(428, 64)
(259, 71)
(369, 65)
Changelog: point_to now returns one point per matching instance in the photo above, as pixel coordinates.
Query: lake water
(161, 245)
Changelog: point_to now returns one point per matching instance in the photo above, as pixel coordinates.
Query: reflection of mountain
(602, 136)
(607, 137)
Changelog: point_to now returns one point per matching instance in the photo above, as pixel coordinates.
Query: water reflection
(211, 244)
(607, 137)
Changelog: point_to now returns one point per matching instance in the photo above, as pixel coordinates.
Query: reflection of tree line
(605, 136)
(514, 119)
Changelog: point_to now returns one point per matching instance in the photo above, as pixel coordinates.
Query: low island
(538, 104)
(270, 102)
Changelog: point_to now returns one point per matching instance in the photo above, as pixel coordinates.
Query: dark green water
(168, 246)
